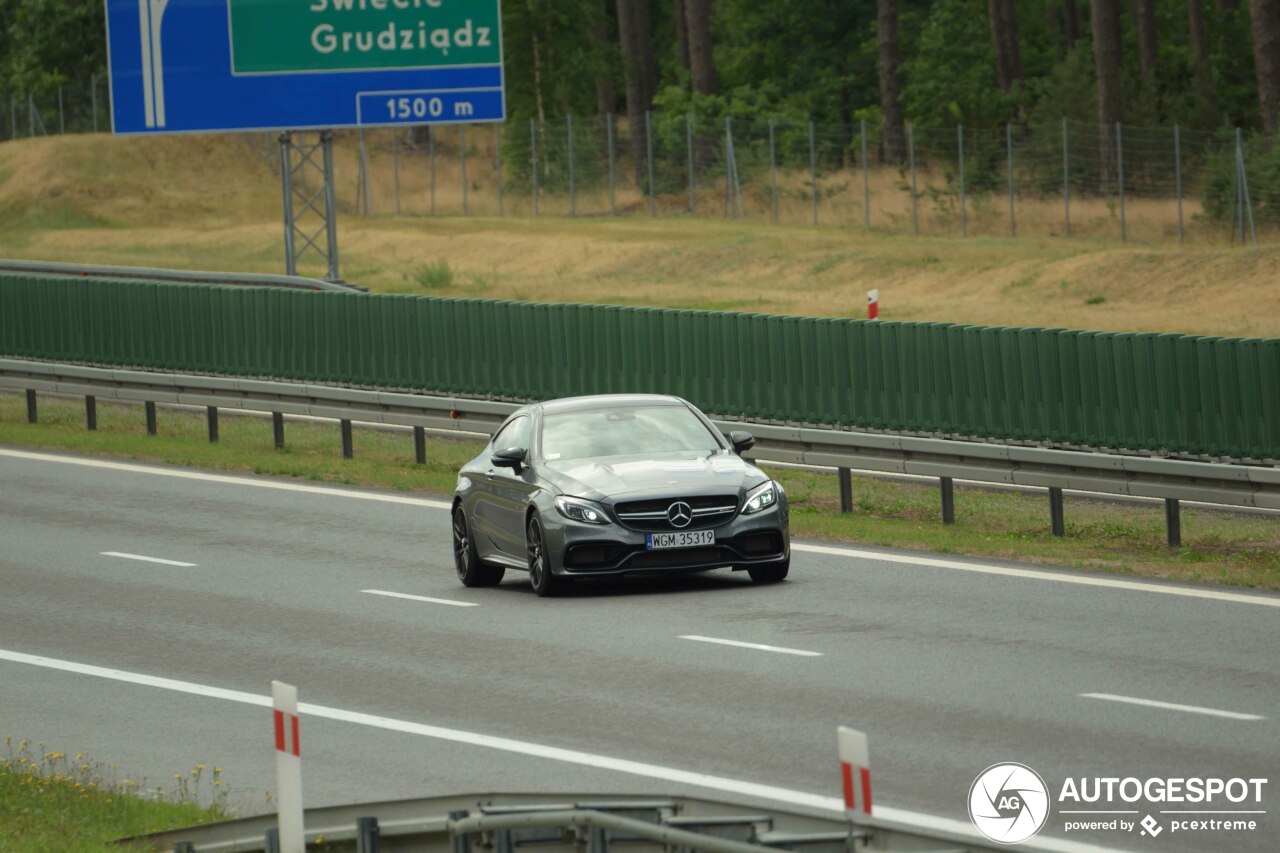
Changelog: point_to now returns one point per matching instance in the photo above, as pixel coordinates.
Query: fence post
(1066, 182)
(866, 179)
(93, 99)
(573, 190)
(728, 169)
(946, 489)
(462, 154)
(613, 181)
(845, 480)
(1173, 522)
(911, 155)
(964, 216)
(91, 413)
(1008, 144)
(1177, 174)
(13, 116)
(813, 171)
(32, 412)
(497, 165)
(533, 158)
(1057, 525)
(62, 118)
(31, 115)
(648, 142)
(431, 161)
(773, 176)
(688, 145)
(1124, 235)
(211, 417)
(395, 164)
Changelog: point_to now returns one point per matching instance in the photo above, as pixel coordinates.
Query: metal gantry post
(573, 190)
(286, 195)
(866, 179)
(330, 206)
(1008, 143)
(497, 165)
(911, 156)
(964, 216)
(813, 169)
(688, 146)
(1066, 182)
(648, 140)
(533, 160)
(395, 165)
(462, 158)
(1177, 174)
(431, 165)
(1124, 235)
(364, 177)
(773, 176)
(613, 165)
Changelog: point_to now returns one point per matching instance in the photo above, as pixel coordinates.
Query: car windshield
(625, 431)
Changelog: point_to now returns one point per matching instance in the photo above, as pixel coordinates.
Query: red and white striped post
(284, 699)
(855, 771)
(873, 304)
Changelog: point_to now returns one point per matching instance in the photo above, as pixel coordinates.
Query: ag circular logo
(1009, 802)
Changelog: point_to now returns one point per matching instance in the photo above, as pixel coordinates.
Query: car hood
(616, 476)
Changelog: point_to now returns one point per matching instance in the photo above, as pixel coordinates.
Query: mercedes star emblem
(679, 514)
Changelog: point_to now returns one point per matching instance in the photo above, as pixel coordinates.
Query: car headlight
(761, 497)
(577, 509)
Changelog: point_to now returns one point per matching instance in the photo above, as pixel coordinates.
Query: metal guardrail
(845, 450)
(568, 823)
(290, 282)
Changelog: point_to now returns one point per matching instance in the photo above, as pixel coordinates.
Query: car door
(508, 489)
(489, 513)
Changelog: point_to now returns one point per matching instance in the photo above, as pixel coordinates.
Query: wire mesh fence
(1062, 178)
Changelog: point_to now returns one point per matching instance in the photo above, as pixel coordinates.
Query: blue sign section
(171, 72)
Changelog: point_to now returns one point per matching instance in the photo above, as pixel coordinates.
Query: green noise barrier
(1162, 393)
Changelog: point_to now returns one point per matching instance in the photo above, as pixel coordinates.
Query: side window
(514, 434)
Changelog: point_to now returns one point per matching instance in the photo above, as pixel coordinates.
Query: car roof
(607, 401)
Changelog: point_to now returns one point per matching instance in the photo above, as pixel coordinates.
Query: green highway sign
(301, 36)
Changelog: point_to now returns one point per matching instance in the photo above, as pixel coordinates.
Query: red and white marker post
(284, 699)
(873, 304)
(855, 771)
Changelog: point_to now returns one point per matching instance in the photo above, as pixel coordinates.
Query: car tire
(771, 573)
(466, 559)
(545, 582)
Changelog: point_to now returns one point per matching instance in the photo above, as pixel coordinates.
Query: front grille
(651, 515)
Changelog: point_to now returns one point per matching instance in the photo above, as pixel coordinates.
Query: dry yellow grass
(213, 202)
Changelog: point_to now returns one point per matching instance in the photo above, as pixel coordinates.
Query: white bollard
(284, 698)
(855, 770)
(873, 304)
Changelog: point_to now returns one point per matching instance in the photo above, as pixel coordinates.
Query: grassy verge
(53, 801)
(1224, 548)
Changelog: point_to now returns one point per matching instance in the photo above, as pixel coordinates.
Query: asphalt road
(158, 667)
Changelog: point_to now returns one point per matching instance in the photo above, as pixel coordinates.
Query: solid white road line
(1170, 706)
(280, 485)
(409, 597)
(125, 556)
(906, 559)
(535, 750)
(1059, 577)
(757, 646)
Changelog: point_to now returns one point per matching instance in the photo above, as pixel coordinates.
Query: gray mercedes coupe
(615, 485)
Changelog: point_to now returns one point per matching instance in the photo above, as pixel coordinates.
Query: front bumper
(578, 549)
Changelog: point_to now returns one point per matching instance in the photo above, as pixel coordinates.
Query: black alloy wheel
(471, 571)
(545, 582)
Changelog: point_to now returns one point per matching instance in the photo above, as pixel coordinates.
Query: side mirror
(742, 441)
(512, 457)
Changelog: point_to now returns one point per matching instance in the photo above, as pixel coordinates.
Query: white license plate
(684, 539)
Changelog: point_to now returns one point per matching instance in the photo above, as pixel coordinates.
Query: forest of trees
(1203, 64)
